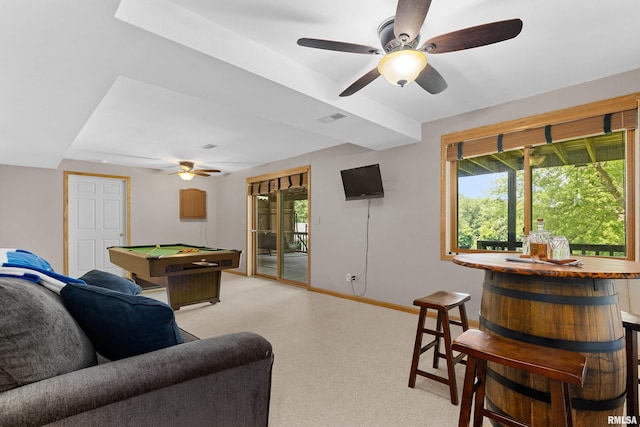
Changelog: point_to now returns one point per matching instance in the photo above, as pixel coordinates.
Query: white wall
(404, 250)
(31, 211)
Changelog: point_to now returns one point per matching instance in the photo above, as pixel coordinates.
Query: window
(490, 201)
(574, 168)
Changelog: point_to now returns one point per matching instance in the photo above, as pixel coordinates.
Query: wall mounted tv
(364, 182)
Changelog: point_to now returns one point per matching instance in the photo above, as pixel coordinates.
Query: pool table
(190, 273)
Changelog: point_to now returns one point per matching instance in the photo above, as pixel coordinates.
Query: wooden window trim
(625, 109)
(631, 194)
(560, 131)
(268, 183)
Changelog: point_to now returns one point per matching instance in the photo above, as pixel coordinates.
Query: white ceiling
(149, 82)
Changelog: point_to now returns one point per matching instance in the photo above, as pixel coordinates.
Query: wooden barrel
(574, 314)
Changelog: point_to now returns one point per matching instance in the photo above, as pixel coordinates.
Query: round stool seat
(442, 299)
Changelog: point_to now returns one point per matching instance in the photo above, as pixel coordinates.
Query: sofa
(51, 374)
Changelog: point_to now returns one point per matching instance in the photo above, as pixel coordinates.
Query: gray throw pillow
(38, 337)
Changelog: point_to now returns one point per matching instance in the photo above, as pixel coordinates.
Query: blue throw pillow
(121, 325)
(104, 279)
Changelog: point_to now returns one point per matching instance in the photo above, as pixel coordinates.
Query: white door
(96, 220)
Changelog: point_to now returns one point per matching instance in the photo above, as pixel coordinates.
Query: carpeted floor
(337, 362)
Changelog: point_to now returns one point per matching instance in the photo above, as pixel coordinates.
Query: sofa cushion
(121, 325)
(104, 279)
(38, 337)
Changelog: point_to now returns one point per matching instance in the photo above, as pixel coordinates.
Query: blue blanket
(27, 265)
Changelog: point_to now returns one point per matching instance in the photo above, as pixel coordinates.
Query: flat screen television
(364, 182)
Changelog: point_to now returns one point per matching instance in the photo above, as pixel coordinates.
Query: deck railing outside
(576, 248)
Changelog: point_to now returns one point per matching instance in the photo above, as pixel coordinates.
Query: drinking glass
(559, 248)
(526, 249)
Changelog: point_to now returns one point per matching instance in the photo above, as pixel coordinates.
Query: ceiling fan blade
(209, 170)
(471, 37)
(431, 80)
(361, 82)
(410, 15)
(200, 173)
(339, 46)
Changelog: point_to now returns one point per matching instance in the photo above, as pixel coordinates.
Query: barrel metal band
(552, 299)
(568, 345)
(577, 403)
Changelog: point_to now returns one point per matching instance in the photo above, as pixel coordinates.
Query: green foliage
(301, 208)
(585, 203)
(481, 219)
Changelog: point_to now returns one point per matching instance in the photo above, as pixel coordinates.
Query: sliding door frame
(251, 209)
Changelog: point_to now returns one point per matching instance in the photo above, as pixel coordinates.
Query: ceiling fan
(187, 171)
(403, 61)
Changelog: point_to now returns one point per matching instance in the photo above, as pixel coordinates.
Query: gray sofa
(49, 373)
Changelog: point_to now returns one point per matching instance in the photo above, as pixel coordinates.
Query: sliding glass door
(294, 233)
(266, 250)
(280, 226)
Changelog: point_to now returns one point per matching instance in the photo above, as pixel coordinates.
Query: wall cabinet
(193, 204)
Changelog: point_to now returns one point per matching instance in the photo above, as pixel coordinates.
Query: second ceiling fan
(404, 60)
(187, 171)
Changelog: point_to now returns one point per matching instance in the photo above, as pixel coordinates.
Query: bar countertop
(592, 267)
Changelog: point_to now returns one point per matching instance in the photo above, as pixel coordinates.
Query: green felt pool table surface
(164, 250)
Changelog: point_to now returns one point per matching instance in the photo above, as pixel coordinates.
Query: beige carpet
(337, 362)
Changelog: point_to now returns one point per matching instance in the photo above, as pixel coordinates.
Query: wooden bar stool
(442, 302)
(561, 367)
(631, 323)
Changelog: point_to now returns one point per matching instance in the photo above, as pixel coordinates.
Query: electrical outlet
(349, 277)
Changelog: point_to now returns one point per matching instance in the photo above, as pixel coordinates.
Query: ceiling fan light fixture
(186, 176)
(402, 66)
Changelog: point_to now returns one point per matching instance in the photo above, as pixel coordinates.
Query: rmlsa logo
(622, 419)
